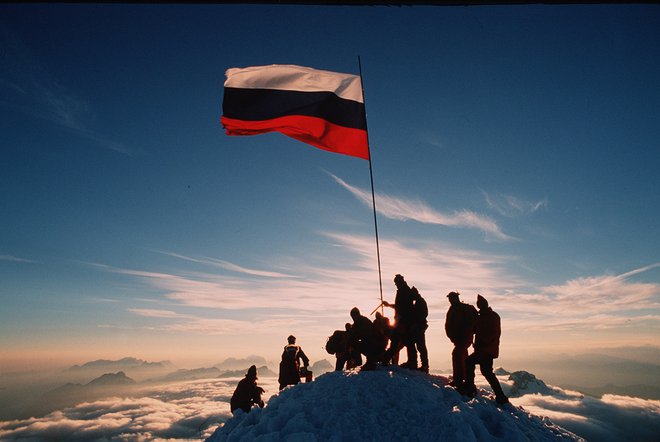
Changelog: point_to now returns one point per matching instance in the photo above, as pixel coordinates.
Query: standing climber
(486, 348)
(418, 328)
(290, 364)
(459, 326)
(403, 317)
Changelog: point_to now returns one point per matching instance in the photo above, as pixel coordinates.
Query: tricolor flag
(321, 108)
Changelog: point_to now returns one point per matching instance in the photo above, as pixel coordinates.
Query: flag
(321, 108)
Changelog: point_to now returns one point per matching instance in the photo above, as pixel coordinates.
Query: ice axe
(382, 303)
(377, 307)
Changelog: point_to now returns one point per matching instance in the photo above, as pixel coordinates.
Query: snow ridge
(387, 404)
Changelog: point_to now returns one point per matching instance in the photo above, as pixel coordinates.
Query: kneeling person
(247, 392)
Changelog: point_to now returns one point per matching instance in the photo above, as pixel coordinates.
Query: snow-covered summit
(526, 383)
(387, 404)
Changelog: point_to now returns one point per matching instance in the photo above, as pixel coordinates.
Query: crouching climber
(365, 338)
(247, 392)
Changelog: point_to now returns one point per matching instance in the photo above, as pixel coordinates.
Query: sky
(515, 152)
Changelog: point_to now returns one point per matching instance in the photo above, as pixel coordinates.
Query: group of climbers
(380, 342)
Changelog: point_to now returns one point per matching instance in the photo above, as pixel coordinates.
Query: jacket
(460, 322)
(247, 393)
(487, 333)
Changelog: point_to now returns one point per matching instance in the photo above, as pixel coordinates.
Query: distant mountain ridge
(106, 379)
(137, 369)
(638, 390)
(127, 362)
(262, 371)
(526, 383)
(239, 364)
(191, 374)
(322, 366)
(70, 394)
(591, 371)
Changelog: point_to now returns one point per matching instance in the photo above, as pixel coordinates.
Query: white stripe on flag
(295, 78)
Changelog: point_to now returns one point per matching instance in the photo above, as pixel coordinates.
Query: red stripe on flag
(315, 131)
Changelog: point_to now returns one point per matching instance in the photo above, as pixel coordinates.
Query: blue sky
(515, 154)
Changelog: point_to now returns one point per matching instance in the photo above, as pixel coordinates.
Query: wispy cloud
(104, 300)
(622, 277)
(154, 313)
(15, 259)
(417, 210)
(226, 265)
(594, 302)
(321, 297)
(196, 324)
(510, 206)
(30, 88)
(431, 139)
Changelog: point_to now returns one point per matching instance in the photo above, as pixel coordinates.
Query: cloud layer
(193, 410)
(608, 419)
(188, 410)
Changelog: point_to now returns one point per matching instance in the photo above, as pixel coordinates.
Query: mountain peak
(118, 378)
(127, 362)
(388, 404)
(239, 364)
(526, 383)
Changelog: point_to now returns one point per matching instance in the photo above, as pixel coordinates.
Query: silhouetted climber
(339, 345)
(382, 324)
(364, 337)
(343, 348)
(290, 364)
(353, 355)
(247, 392)
(403, 318)
(459, 326)
(418, 329)
(486, 348)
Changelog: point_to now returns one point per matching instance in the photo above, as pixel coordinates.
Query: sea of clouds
(192, 410)
(180, 411)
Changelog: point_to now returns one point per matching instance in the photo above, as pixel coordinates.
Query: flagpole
(373, 195)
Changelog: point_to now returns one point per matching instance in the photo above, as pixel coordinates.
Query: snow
(386, 404)
(526, 383)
